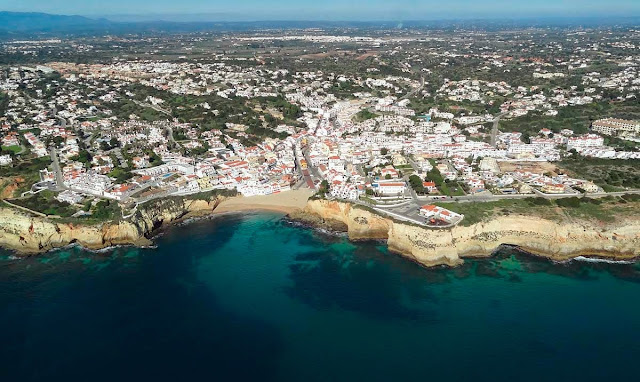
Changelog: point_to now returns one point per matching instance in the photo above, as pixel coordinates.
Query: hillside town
(134, 130)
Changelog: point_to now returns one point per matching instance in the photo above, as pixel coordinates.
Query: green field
(610, 174)
(14, 149)
(575, 118)
(601, 210)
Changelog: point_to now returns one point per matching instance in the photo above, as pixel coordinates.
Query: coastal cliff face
(558, 241)
(26, 234)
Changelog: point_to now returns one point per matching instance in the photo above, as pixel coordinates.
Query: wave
(330, 232)
(599, 260)
(105, 249)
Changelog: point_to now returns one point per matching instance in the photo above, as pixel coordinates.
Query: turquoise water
(253, 297)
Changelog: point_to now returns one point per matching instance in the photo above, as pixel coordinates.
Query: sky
(247, 10)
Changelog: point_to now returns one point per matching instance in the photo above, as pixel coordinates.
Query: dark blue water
(251, 297)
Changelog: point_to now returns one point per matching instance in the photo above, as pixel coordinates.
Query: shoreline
(556, 241)
(285, 202)
(28, 235)
(148, 243)
(24, 234)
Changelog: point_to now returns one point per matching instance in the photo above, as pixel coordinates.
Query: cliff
(26, 234)
(558, 241)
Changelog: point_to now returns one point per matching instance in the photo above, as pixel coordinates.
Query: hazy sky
(329, 9)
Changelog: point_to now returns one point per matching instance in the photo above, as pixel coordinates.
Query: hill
(17, 22)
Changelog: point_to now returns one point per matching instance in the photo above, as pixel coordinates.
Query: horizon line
(150, 17)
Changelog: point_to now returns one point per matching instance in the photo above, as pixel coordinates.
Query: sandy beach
(285, 202)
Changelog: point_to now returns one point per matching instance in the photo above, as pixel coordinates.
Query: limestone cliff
(558, 241)
(26, 234)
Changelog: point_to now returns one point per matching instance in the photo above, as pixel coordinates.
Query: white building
(434, 212)
(5, 160)
(389, 188)
(613, 126)
(584, 141)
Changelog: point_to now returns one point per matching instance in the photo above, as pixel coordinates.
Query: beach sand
(285, 202)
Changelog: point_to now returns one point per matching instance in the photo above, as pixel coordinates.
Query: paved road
(63, 121)
(312, 171)
(414, 91)
(494, 130)
(56, 169)
(156, 108)
(87, 143)
(410, 209)
(298, 165)
(492, 198)
(307, 178)
(170, 137)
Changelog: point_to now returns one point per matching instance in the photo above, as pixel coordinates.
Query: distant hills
(14, 24)
(44, 22)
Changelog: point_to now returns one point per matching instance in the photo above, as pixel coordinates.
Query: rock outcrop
(558, 241)
(26, 234)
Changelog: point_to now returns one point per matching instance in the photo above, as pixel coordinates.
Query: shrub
(631, 197)
(572, 202)
(539, 201)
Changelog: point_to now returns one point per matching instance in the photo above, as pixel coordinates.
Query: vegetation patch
(606, 209)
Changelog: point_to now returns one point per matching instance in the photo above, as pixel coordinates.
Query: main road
(56, 169)
(414, 91)
(494, 130)
(493, 198)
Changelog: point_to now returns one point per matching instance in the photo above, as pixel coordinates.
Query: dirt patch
(315, 56)
(8, 186)
(364, 56)
(534, 167)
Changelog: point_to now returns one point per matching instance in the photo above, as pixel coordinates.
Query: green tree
(121, 175)
(416, 183)
(324, 187)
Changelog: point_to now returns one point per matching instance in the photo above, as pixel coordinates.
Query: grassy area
(482, 211)
(14, 149)
(575, 118)
(602, 210)
(363, 115)
(455, 189)
(25, 168)
(445, 187)
(610, 174)
(208, 195)
(45, 202)
(26, 173)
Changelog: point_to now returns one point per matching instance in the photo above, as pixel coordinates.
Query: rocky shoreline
(545, 238)
(28, 235)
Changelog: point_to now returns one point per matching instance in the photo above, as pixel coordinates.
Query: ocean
(249, 297)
